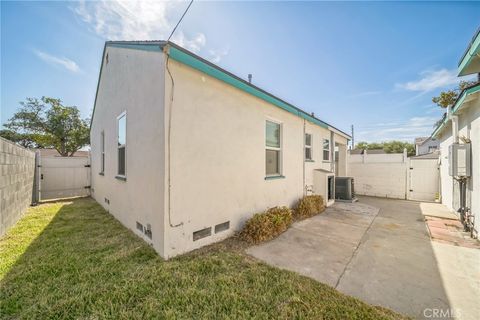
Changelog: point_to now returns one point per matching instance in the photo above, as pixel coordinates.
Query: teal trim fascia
(470, 54)
(144, 47)
(185, 57)
(466, 93)
(274, 177)
(193, 62)
(457, 106)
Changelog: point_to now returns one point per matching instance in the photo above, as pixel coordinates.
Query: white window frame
(323, 150)
(102, 153)
(123, 114)
(280, 153)
(308, 147)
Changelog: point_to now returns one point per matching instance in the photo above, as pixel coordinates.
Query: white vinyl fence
(394, 176)
(63, 177)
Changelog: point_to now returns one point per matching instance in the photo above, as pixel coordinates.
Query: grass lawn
(74, 260)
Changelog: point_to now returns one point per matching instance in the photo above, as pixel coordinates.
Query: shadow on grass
(85, 264)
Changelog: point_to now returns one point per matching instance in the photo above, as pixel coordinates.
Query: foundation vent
(222, 227)
(139, 227)
(148, 231)
(197, 235)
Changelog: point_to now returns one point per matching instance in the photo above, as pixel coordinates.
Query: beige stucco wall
(218, 157)
(469, 126)
(215, 156)
(132, 81)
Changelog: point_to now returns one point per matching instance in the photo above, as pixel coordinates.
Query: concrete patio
(379, 250)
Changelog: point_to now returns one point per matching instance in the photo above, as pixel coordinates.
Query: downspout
(454, 119)
(303, 165)
(169, 133)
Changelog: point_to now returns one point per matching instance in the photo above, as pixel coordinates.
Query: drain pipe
(454, 119)
(303, 152)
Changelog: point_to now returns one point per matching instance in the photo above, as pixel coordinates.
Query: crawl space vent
(202, 233)
(139, 226)
(222, 227)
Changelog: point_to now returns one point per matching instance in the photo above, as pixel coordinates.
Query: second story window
(326, 150)
(273, 149)
(122, 144)
(308, 146)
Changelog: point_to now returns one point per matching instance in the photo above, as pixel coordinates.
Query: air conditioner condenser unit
(344, 189)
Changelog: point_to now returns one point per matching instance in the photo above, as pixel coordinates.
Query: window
(121, 143)
(432, 149)
(273, 149)
(102, 146)
(308, 146)
(326, 150)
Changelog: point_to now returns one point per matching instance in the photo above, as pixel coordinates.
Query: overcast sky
(373, 65)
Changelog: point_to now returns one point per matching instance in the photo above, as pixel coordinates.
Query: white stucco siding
(475, 182)
(318, 135)
(446, 181)
(469, 127)
(132, 81)
(218, 157)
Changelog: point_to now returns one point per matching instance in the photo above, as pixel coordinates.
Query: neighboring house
(184, 152)
(424, 145)
(461, 125)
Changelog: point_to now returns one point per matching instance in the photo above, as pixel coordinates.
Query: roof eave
(159, 46)
(457, 106)
(470, 61)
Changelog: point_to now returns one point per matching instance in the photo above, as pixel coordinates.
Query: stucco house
(425, 145)
(461, 126)
(184, 152)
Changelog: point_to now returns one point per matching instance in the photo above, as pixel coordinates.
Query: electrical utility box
(460, 163)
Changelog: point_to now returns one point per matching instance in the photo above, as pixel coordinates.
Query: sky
(374, 65)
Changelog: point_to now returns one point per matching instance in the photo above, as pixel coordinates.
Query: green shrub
(309, 206)
(267, 225)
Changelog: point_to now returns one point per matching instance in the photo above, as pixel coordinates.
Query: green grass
(72, 260)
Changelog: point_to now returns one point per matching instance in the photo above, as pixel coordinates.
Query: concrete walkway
(379, 251)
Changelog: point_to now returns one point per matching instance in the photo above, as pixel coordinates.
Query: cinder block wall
(17, 167)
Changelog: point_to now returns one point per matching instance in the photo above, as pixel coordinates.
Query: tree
(448, 98)
(47, 123)
(393, 146)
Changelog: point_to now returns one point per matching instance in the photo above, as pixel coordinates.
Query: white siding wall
(132, 80)
(218, 157)
(469, 126)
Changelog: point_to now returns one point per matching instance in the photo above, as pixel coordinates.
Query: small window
(273, 149)
(102, 155)
(326, 150)
(122, 144)
(308, 146)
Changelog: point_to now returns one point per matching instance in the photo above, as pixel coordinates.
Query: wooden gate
(63, 177)
(423, 179)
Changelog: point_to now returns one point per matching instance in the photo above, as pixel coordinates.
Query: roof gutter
(456, 107)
